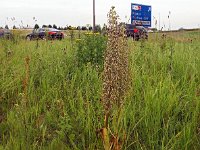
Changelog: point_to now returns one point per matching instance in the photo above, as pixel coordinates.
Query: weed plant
(91, 49)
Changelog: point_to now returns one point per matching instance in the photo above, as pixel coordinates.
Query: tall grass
(64, 110)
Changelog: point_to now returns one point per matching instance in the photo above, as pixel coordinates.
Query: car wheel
(43, 38)
(53, 37)
(61, 37)
(28, 38)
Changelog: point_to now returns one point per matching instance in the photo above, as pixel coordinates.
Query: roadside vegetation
(51, 94)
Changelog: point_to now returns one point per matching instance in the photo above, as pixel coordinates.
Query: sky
(184, 13)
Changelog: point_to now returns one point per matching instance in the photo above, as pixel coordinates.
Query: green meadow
(50, 93)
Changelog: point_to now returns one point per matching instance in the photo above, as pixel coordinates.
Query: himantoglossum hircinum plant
(115, 75)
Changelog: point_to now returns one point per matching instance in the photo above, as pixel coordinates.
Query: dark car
(5, 33)
(45, 33)
(136, 32)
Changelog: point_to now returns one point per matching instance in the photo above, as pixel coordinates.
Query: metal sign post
(93, 15)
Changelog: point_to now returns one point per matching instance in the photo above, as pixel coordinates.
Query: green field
(50, 94)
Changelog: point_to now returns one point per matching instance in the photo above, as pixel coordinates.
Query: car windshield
(38, 30)
(53, 29)
(142, 28)
(130, 26)
(41, 30)
(1, 31)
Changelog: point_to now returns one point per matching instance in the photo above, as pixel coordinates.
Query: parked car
(5, 33)
(45, 33)
(136, 32)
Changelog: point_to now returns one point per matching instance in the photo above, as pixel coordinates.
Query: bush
(91, 49)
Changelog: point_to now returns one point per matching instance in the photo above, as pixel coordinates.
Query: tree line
(69, 27)
(88, 27)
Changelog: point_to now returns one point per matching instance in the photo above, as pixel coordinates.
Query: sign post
(141, 15)
(93, 15)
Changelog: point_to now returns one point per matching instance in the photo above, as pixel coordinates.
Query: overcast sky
(184, 13)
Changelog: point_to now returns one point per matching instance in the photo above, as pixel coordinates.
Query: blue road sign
(141, 15)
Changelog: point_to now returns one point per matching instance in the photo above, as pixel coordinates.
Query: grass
(60, 106)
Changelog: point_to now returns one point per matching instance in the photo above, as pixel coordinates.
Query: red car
(55, 34)
(45, 33)
(136, 32)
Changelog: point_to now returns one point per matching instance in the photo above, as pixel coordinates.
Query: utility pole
(159, 21)
(93, 15)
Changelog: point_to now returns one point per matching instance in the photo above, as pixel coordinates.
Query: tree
(50, 26)
(54, 26)
(36, 26)
(78, 28)
(103, 30)
(44, 26)
(14, 27)
(6, 27)
(69, 27)
(90, 28)
(84, 28)
(98, 28)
